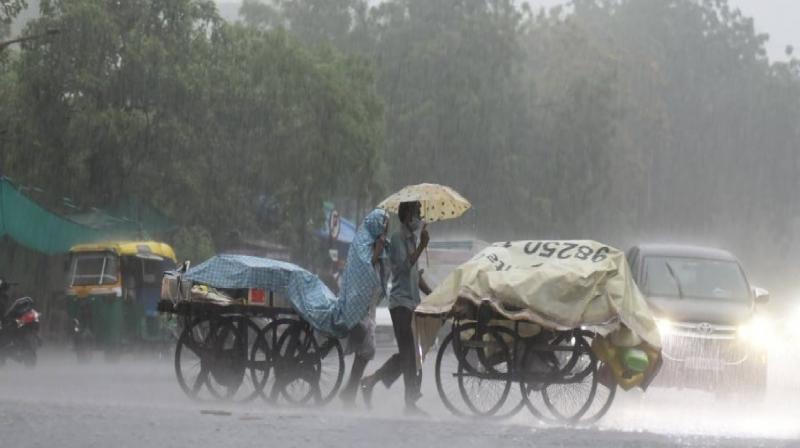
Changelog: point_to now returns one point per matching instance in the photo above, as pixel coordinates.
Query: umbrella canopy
(439, 202)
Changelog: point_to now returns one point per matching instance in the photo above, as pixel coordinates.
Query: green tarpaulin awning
(30, 225)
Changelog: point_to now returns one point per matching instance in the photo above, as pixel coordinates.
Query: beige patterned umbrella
(439, 202)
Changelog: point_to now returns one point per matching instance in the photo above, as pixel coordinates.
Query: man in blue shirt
(404, 251)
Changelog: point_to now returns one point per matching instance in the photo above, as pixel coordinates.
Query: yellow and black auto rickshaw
(112, 294)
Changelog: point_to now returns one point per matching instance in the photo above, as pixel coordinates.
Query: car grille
(688, 341)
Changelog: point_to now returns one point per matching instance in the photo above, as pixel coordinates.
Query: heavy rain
(346, 223)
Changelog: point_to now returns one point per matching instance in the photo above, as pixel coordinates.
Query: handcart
(237, 344)
(529, 328)
(487, 366)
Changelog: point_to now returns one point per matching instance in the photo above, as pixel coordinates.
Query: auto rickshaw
(112, 296)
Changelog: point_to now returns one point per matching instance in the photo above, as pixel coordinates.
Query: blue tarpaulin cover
(306, 292)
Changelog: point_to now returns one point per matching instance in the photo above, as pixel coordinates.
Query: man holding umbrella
(404, 251)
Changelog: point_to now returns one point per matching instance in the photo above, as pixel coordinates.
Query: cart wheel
(263, 356)
(191, 351)
(515, 401)
(570, 396)
(308, 368)
(603, 397)
(231, 338)
(297, 365)
(484, 369)
(233, 341)
(478, 366)
(545, 368)
(605, 393)
(447, 376)
(331, 364)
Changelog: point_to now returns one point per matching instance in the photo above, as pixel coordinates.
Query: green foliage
(709, 129)
(10, 9)
(163, 100)
(337, 22)
(260, 14)
(193, 243)
(611, 119)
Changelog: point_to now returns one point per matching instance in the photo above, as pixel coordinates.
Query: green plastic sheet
(32, 226)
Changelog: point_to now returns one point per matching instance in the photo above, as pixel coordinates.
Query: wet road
(137, 403)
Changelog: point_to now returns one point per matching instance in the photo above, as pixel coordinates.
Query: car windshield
(695, 278)
(94, 269)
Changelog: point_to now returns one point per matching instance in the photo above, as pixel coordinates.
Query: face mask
(416, 224)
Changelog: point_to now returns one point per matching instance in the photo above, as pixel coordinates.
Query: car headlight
(664, 326)
(757, 332)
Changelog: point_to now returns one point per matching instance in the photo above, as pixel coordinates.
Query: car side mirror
(761, 296)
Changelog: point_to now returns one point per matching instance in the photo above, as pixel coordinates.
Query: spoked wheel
(233, 340)
(605, 393)
(297, 366)
(560, 381)
(538, 367)
(479, 365)
(447, 377)
(603, 396)
(287, 347)
(192, 350)
(514, 402)
(262, 358)
(211, 358)
(331, 364)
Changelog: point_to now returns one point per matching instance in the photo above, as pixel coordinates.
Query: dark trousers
(404, 362)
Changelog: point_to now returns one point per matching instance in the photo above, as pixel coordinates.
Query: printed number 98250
(565, 250)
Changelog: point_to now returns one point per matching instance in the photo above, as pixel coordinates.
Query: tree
(162, 100)
(569, 152)
(707, 120)
(8, 10)
(617, 120)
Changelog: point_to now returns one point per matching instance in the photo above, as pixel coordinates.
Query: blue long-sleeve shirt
(405, 276)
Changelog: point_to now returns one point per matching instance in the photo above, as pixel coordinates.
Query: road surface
(137, 403)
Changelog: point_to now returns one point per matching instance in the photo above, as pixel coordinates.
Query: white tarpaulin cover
(556, 284)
